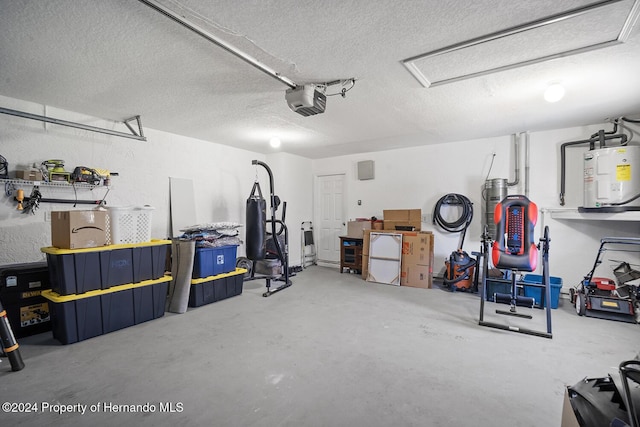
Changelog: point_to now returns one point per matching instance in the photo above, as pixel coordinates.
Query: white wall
(417, 177)
(222, 176)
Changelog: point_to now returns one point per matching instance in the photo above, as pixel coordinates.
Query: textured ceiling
(119, 58)
(574, 31)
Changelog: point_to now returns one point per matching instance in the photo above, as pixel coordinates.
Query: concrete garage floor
(332, 350)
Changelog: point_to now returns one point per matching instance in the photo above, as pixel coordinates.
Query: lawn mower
(606, 298)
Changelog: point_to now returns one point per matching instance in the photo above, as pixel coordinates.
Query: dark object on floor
(608, 401)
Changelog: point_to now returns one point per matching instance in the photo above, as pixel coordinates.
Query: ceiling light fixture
(554, 93)
(274, 142)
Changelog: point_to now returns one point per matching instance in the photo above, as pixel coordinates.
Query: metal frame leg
(545, 274)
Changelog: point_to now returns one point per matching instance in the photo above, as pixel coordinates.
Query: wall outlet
(47, 216)
(426, 218)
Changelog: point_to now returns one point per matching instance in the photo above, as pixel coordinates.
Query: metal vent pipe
(217, 41)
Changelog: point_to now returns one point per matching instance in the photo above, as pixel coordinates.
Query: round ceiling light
(275, 142)
(554, 93)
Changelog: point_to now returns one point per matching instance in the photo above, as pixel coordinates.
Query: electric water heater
(612, 178)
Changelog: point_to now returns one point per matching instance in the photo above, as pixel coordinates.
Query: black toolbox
(21, 286)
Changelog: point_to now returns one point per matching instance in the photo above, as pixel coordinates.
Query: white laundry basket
(129, 224)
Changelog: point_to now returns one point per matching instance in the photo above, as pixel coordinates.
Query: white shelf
(19, 183)
(572, 213)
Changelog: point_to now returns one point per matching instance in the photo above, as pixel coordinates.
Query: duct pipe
(526, 163)
(516, 145)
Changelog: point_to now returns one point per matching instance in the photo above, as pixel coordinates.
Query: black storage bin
(79, 317)
(216, 288)
(76, 271)
(21, 286)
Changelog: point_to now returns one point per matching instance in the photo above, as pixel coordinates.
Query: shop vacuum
(460, 267)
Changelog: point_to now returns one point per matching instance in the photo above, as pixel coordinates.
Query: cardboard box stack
(417, 258)
(356, 228)
(402, 219)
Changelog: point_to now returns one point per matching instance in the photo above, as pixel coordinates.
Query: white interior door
(330, 214)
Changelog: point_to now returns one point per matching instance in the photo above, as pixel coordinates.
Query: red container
(604, 284)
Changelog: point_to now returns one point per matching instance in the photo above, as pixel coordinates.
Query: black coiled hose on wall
(462, 223)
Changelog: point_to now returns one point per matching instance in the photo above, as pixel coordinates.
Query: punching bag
(256, 224)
